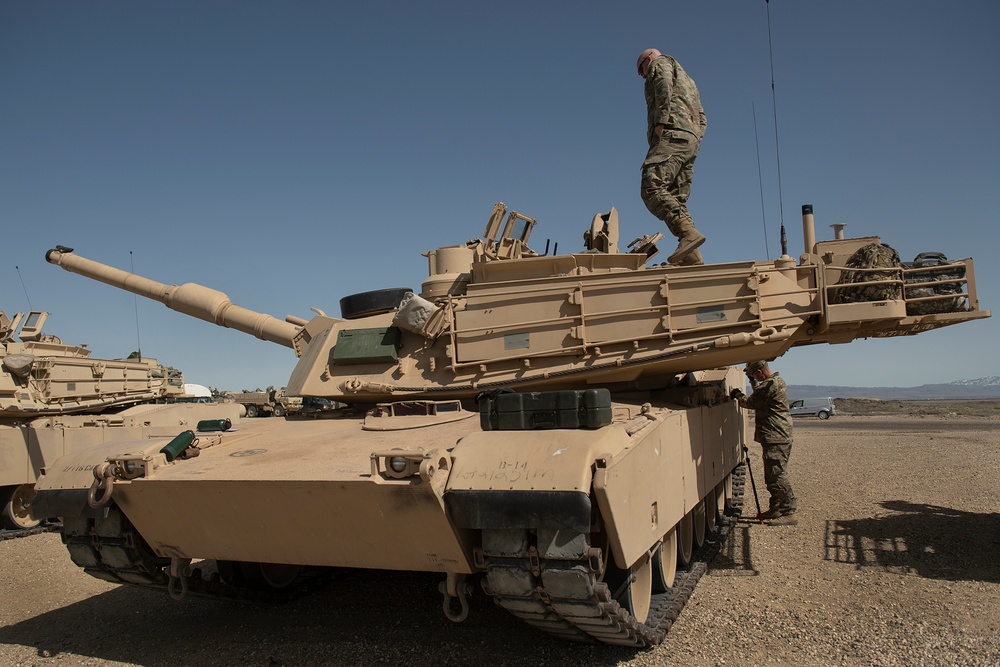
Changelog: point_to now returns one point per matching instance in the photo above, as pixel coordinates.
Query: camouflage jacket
(672, 100)
(769, 401)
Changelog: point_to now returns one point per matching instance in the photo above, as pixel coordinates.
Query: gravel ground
(895, 561)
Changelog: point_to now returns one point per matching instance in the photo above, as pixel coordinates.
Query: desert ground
(895, 561)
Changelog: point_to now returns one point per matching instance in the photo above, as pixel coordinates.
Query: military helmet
(647, 54)
(754, 366)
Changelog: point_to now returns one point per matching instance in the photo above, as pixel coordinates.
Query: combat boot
(770, 514)
(784, 520)
(689, 239)
(693, 258)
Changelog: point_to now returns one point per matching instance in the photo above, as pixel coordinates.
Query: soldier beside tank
(675, 125)
(773, 430)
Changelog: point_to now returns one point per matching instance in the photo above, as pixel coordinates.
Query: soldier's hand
(736, 394)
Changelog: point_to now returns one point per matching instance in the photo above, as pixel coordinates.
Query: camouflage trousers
(776, 475)
(666, 185)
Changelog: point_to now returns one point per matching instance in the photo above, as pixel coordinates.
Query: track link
(15, 533)
(112, 550)
(566, 598)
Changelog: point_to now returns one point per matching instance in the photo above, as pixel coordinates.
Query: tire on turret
(364, 304)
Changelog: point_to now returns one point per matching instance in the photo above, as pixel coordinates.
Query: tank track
(13, 534)
(112, 549)
(566, 599)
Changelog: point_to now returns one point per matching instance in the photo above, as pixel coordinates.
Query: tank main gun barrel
(190, 298)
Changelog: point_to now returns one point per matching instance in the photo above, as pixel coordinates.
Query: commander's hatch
(508, 239)
(603, 233)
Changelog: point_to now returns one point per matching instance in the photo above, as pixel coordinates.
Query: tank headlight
(131, 468)
(398, 464)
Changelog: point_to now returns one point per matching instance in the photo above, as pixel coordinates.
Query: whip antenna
(774, 105)
(760, 180)
(18, 269)
(135, 301)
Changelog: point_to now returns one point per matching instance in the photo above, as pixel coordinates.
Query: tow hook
(453, 587)
(104, 479)
(178, 572)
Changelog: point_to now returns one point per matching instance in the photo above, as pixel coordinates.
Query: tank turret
(42, 376)
(495, 313)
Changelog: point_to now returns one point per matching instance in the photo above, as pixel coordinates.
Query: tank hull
(323, 492)
(299, 492)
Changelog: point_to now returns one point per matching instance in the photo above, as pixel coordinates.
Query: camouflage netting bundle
(871, 256)
(934, 282)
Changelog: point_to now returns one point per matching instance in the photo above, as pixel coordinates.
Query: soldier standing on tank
(675, 125)
(773, 430)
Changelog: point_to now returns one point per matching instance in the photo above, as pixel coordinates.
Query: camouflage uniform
(672, 100)
(773, 430)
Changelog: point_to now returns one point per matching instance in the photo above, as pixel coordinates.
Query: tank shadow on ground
(366, 617)
(735, 558)
(927, 540)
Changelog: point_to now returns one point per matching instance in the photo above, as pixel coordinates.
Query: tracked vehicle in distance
(557, 428)
(56, 399)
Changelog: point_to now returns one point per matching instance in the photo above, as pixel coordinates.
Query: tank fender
(642, 492)
(526, 479)
(66, 503)
(62, 488)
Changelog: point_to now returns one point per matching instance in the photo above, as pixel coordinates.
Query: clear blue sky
(291, 153)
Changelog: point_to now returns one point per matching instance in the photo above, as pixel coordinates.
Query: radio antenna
(774, 105)
(135, 301)
(760, 180)
(18, 269)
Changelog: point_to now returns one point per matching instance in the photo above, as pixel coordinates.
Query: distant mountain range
(985, 387)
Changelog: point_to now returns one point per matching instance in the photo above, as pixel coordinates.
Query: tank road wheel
(699, 523)
(16, 507)
(685, 540)
(665, 563)
(279, 411)
(364, 304)
(633, 589)
(640, 589)
(252, 410)
(715, 507)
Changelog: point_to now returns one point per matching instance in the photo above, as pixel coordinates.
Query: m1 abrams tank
(558, 428)
(56, 399)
